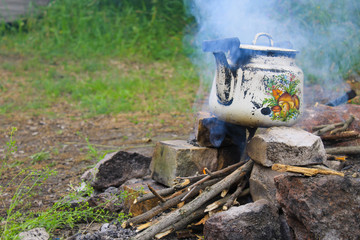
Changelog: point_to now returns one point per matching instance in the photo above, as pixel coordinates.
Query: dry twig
(320, 130)
(304, 170)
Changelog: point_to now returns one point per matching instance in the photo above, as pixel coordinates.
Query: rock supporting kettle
(256, 86)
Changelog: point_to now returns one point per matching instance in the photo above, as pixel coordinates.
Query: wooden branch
(320, 130)
(350, 150)
(196, 189)
(182, 223)
(155, 193)
(316, 128)
(346, 125)
(341, 136)
(180, 185)
(195, 204)
(190, 179)
(304, 170)
(200, 178)
(234, 196)
(164, 206)
(162, 192)
(218, 173)
(217, 204)
(324, 130)
(208, 172)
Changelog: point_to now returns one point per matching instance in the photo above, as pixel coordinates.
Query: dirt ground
(63, 138)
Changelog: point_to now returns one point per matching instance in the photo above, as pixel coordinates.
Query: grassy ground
(84, 78)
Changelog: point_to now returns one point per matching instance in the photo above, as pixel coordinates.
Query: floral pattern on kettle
(283, 99)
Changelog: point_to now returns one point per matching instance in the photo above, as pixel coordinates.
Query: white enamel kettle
(255, 86)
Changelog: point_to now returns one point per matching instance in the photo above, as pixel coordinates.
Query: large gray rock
(175, 158)
(322, 207)
(286, 145)
(262, 185)
(116, 168)
(257, 220)
(34, 234)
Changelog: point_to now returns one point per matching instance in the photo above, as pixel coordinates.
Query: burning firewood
(181, 217)
(304, 170)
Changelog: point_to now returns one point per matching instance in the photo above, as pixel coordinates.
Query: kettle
(254, 85)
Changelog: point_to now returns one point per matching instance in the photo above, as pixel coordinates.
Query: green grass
(151, 29)
(105, 85)
(101, 57)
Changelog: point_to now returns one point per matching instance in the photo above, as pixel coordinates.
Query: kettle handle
(271, 41)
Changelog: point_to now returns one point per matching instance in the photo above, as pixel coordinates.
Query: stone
(116, 168)
(257, 220)
(285, 145)
(262, 185)
(321, 207)
(176, 158)
(34, 234)
(135, 187)
(110, 200)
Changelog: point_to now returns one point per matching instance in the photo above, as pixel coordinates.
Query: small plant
(11, 144)
(62, 214)
(24, 192)
(39, 157)
(9, 150)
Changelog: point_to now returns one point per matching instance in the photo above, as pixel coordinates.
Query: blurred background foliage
(110, 56)
(152, 29)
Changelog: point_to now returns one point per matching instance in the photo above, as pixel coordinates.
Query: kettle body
(259, 87)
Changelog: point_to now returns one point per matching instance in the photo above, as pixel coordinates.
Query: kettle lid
(270, 48)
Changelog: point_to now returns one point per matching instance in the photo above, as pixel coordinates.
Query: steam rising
(325, 32)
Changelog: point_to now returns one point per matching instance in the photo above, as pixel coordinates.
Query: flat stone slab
(175, 158)
(285, 145)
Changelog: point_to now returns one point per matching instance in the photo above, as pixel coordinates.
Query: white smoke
(326, 32)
